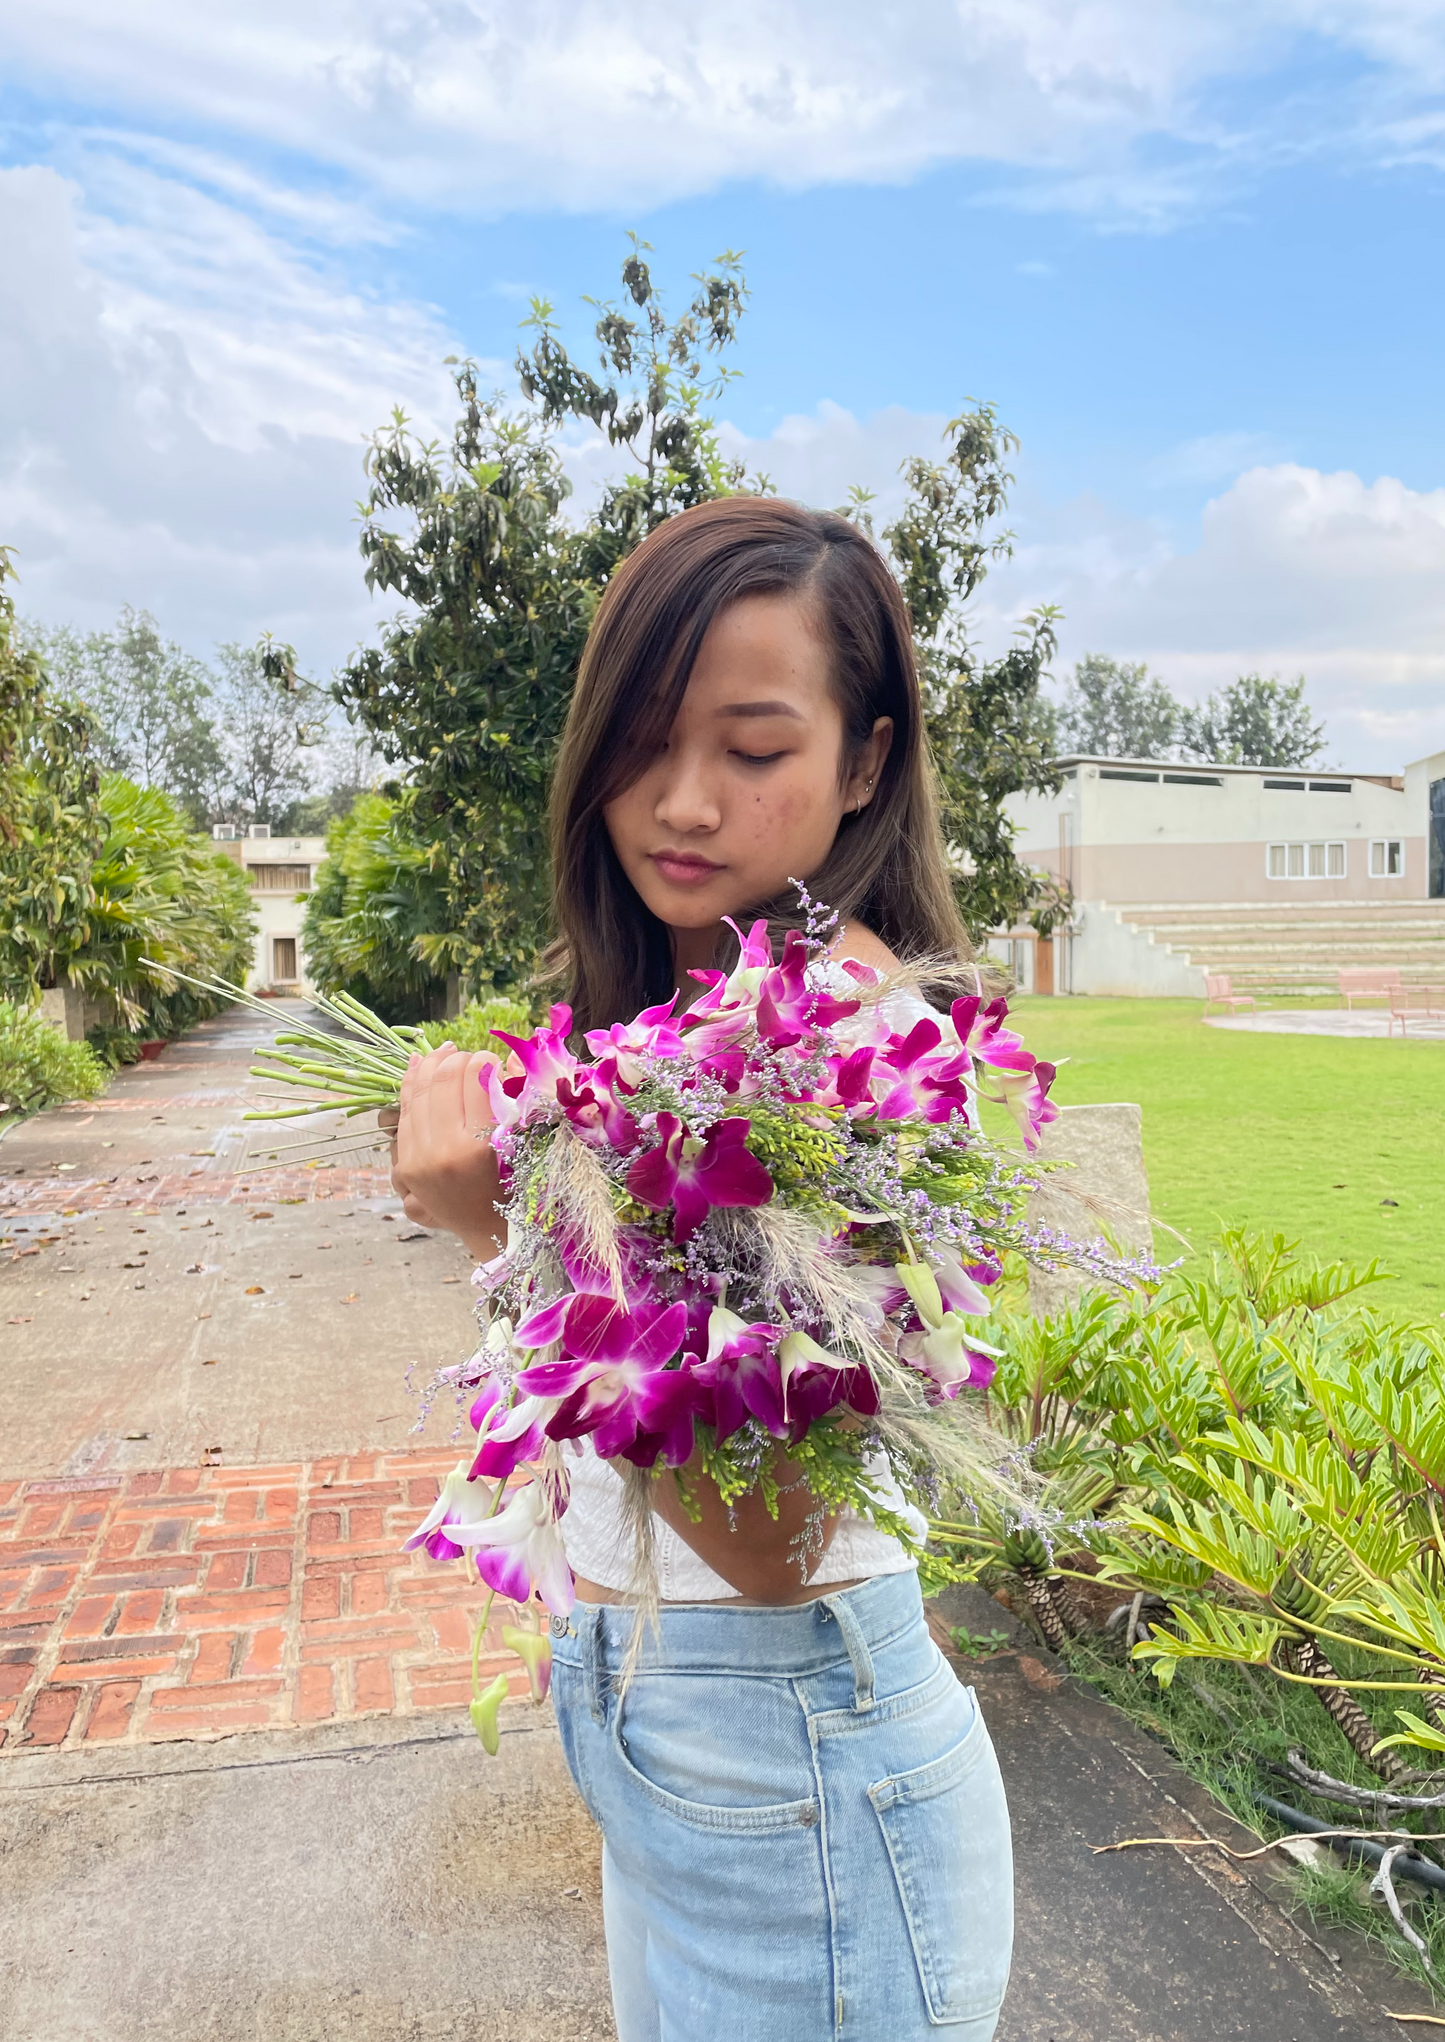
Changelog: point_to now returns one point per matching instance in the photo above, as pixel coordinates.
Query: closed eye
(759, 758)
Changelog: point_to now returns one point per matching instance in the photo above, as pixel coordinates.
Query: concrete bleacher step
(1298, 947)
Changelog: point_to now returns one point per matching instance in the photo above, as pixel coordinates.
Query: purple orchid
(743, 1374)
(462, 1502)
(791, 1008)
(910, 1082)
(543, 1057)
(612, 1380)
(1022, 1079)
(816, 1382)
(594, 1110)
(652, 1033)
(507, 1436)
(520, 1549)
(693, 1176)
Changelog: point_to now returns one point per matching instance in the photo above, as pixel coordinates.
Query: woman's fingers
(476, 1106)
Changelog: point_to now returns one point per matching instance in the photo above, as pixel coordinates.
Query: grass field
(1339, 1144)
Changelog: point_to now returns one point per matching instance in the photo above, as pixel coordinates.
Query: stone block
(1105, 1195)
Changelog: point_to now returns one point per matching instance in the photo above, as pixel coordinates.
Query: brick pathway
(194, 1603)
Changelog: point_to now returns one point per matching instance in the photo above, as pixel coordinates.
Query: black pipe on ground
(1359, 1847)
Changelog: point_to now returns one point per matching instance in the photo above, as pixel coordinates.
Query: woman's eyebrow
(760, 709)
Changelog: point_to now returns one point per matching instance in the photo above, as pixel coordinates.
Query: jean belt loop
(858, 1653)
(594, 1659)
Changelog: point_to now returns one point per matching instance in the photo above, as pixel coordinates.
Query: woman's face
(746, 792)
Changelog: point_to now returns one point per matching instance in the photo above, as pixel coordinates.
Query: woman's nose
(686, 799)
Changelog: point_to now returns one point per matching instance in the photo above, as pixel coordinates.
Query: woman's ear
(868, 767)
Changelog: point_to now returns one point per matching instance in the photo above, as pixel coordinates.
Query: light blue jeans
(804, 1830)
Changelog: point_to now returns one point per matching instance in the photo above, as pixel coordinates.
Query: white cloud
(607, 103)
(186, 400)
(1295, 571)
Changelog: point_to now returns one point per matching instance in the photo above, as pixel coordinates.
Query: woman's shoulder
(857, 944)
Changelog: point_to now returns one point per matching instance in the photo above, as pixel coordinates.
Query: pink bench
(1416, 1001)
(1218, 992)
(1368, 982)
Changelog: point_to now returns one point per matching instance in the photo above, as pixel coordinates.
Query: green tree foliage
(377, 920)
(468, 689)
(160, 896)
(39, 1068)
(1255, 722)
(989, 725)
(232, 742)
(50, 824)
(1115, 709)
(153, 705)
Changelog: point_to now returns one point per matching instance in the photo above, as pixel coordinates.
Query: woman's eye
(757, 758)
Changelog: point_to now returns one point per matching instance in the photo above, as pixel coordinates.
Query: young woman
(804, 1829)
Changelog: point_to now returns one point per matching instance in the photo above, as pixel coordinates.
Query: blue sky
(1191, 252)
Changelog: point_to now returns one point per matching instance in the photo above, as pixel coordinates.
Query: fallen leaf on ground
(255, 1290)
(23, 1319)
(194, 1268)
(352, 1298)
(214, 1362)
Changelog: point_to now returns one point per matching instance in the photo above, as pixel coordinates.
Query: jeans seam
(826, 1860)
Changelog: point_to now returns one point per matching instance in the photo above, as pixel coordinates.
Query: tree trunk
(1055, 1608)
(1306, 1657)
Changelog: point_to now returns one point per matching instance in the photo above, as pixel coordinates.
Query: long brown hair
(886, 868)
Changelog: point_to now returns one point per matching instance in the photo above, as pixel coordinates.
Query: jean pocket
(946, 1829)
(743, 1742)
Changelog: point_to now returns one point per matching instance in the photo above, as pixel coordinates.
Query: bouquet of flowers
(765, 1226)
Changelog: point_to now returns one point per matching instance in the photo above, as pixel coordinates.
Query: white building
(280, 871)
(1275, 878)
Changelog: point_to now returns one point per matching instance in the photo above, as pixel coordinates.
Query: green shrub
(161, 897)
(39, 1068)
(472, 1028)
(376, 922)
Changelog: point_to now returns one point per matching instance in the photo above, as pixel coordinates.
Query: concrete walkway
(1362, 1023)
(372, 1876)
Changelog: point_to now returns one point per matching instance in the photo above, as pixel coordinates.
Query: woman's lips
(683, 868)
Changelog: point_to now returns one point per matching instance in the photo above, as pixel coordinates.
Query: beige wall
(1134, 840)
(1226, 872)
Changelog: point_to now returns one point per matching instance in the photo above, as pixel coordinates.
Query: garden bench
(1218, 992)
(1368, 982)
(1419, 1001)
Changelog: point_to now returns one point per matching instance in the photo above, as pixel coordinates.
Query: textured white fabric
(600, 1550)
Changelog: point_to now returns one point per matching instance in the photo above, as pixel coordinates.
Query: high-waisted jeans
(804, 1829)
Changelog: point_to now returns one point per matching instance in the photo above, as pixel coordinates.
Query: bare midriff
(593, 1591)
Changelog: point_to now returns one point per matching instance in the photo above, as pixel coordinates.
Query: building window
(1305, 861)
(1387, 858)
(283, 959)
(280, 878)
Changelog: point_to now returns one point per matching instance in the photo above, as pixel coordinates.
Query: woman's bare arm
(765, 1559)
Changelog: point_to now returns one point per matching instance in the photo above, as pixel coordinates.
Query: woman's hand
(442, 1165)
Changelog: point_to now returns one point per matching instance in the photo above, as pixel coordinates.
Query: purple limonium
(520, 1549)
(742, 1371)
(693, 1176)
(612, 1380)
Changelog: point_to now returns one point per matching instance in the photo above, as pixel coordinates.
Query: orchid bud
(534, 1649)
(484, 1714)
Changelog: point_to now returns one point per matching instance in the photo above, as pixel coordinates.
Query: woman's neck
(693, 950)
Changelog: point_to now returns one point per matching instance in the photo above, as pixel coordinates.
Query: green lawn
(1295, 1132)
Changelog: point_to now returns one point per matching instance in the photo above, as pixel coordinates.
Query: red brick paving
(41, 1197)
(194, 1603)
